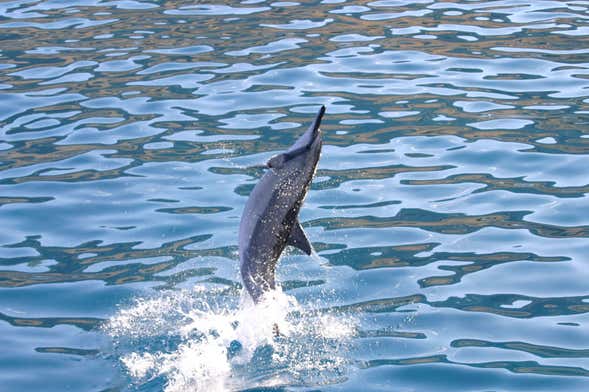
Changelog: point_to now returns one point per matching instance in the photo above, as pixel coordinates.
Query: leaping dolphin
(270, 217)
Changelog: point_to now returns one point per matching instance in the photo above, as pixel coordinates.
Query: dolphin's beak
(311, 135)
(314, 128)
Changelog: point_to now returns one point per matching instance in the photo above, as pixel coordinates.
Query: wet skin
(270, 218)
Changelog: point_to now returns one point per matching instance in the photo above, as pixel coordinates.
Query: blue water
(449, 211)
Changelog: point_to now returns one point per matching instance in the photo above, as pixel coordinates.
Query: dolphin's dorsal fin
(276, 161)
(298, 238)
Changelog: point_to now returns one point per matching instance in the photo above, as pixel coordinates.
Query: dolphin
(270, 219)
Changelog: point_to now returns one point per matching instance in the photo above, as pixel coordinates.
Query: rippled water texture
(449, 211)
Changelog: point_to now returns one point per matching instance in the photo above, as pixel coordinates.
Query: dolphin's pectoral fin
(298, 239)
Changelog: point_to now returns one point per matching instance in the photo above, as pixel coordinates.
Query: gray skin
(270, 217)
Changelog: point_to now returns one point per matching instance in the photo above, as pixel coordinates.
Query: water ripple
(448, 207)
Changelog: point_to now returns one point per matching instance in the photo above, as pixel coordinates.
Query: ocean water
(449, 213)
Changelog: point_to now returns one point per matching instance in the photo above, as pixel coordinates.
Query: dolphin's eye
(276, 162)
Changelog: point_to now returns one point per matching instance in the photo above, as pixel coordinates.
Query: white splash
(207, 341)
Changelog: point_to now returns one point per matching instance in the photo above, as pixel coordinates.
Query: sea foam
(207, 340)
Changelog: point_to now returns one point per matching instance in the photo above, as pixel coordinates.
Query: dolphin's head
(303, 155)
(311, 136)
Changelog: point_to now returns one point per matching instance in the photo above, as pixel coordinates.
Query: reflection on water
(448, 208)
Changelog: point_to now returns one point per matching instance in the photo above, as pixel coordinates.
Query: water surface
(449, 210)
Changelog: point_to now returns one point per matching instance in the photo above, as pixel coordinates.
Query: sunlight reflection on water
(448, 210)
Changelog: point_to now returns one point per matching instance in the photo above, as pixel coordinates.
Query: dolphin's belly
(266, 242)
(255, 208)
(259, 257)
(263, 237)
